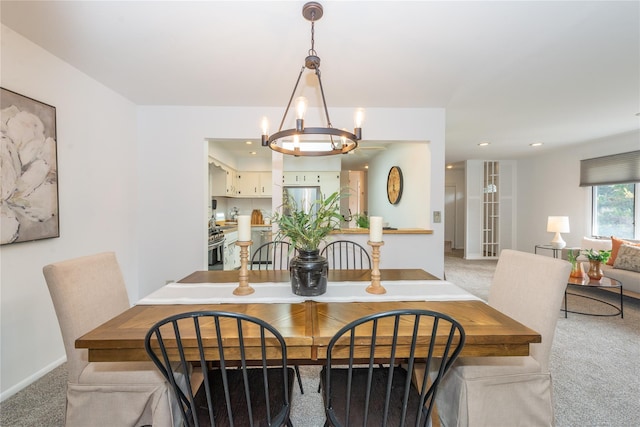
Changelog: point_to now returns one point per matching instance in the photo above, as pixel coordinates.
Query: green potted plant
(306, 229)
(595, 258)
(576, 271)
(362, 221)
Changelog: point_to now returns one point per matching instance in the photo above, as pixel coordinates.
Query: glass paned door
(491, 210)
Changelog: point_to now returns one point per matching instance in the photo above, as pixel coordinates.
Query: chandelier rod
(286, 110)
(324, 101)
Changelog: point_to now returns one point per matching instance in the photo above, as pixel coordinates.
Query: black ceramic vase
(309, 273)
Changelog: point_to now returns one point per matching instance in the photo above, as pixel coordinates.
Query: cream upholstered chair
(510, 391)
(86, 292)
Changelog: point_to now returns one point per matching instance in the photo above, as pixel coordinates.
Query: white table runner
(397, 290)
(280, 292)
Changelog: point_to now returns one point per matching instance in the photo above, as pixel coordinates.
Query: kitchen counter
(401, 247)
(229, 228)
(393, 254)
(384, 231)
(234, 226)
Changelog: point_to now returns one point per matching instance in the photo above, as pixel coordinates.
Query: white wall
(421, 159)
(413, 209)
(98, 193)
(173, 177)
(549, 185)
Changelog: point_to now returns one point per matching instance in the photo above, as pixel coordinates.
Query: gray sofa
(630, 279)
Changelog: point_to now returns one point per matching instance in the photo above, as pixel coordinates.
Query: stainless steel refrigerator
(303, 198)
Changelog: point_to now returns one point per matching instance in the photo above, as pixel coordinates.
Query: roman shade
(616, 169)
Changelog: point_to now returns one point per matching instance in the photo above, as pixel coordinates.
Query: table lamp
(558, 224)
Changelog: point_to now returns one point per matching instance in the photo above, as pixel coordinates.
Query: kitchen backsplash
(245, 206)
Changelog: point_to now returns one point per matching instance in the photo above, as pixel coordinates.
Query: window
(615, 210)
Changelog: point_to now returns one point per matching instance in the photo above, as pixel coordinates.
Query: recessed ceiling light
(249, 142)
(449, 166)
(253, 153)
(483, 144)
(366, 166)
(536, 144)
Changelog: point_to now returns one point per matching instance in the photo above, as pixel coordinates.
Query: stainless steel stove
(216, 242)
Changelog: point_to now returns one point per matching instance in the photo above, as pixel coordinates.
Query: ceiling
(509, 73)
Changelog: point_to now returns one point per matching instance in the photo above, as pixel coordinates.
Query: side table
(605, 282)
(556, 252)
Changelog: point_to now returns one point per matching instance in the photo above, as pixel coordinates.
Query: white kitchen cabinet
(300, 178)
(253, 184)
(248, 184)
(231, 182)
(217, 181)
(266, 180)
(222, 179)
(329, 182)
(231, 251)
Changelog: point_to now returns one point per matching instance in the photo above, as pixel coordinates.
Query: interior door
(450, 214)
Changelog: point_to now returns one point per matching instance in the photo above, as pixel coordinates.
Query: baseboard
(31, 379)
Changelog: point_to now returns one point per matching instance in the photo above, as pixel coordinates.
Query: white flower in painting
(27, 168)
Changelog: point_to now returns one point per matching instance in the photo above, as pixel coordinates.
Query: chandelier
(311, 141)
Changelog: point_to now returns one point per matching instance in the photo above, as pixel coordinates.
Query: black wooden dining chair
(346, 255)
(271, 256)
(237, 391)
(360, 392)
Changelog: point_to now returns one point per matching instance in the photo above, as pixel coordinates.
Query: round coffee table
(605, 282)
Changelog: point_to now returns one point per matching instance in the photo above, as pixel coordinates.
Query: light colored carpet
(595, 364)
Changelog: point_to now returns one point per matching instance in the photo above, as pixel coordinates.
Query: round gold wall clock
(394, 185)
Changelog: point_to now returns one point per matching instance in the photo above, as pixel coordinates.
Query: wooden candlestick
(375, 287)
(243, 278)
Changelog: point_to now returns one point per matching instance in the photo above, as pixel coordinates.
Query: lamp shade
(558, 224)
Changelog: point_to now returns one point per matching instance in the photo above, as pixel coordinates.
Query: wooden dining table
(307, 326)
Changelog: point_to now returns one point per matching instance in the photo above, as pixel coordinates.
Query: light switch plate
(437, 217)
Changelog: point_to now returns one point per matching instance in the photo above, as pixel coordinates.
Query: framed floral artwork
(28, 168)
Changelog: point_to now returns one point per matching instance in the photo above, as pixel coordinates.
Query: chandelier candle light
(311, 141)
(375, 241)
(558, 224)
(244, 241)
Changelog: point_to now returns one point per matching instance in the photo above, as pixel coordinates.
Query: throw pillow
(615, 247)
(628, 258)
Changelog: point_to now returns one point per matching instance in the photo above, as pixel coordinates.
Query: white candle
(375, 229)
(244, 228)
